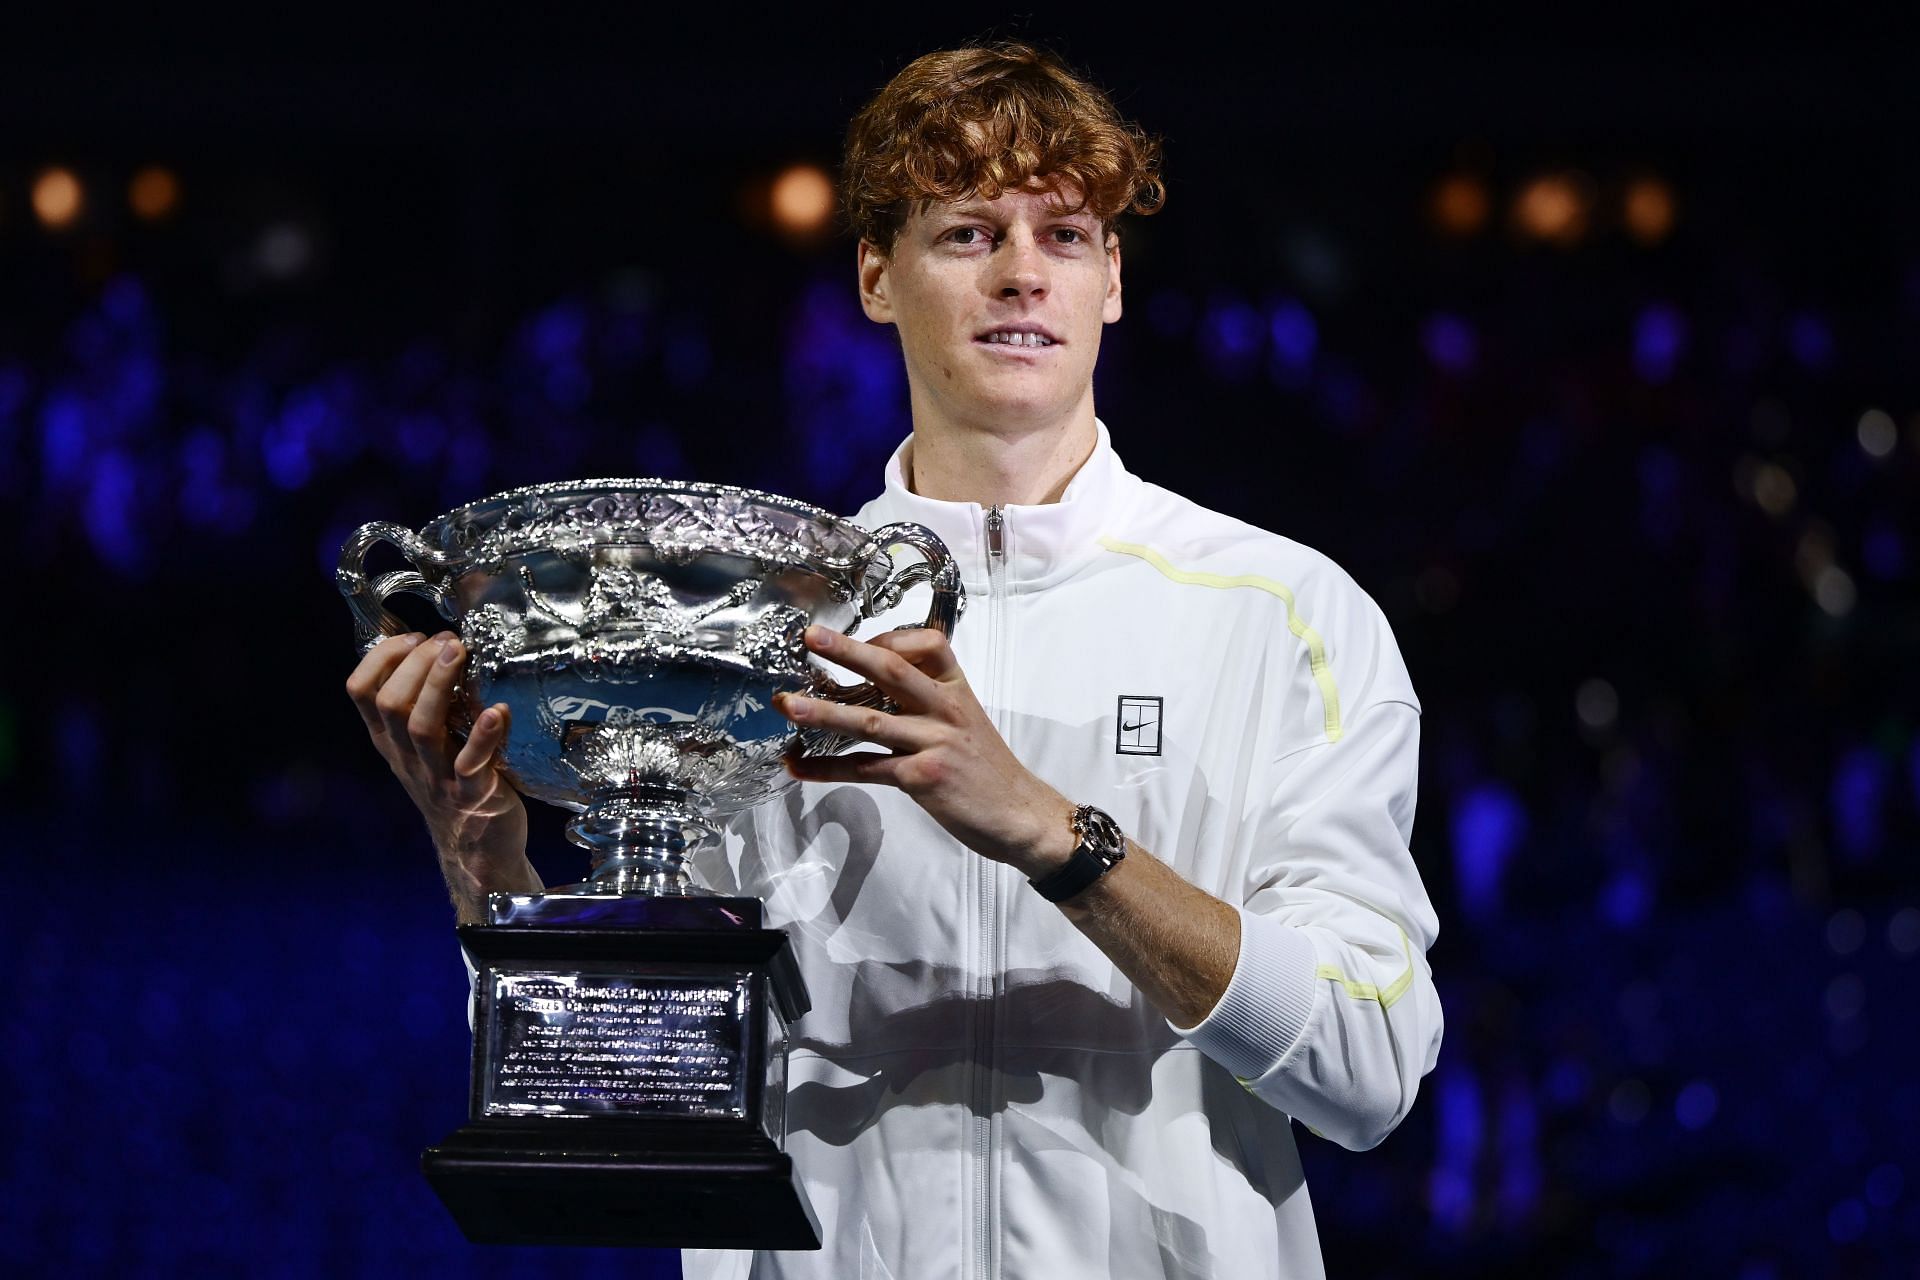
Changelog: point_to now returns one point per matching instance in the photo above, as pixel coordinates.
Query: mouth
(1018, 337)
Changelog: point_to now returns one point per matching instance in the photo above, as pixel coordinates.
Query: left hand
(942, 750)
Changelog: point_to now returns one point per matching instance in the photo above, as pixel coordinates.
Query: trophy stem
(640, 840)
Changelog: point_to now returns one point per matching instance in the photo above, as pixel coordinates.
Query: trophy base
(530, 1187)
(629, 1077)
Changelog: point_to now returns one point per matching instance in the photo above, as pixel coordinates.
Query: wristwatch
(1098, 848)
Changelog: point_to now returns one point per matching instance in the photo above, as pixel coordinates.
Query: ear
(871, 265)
(1110, 309)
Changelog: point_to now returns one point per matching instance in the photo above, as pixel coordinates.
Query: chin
(1024, 408)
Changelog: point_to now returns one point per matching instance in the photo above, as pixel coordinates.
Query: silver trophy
(638, 630)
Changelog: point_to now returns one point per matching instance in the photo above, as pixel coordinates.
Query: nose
(1023, 268)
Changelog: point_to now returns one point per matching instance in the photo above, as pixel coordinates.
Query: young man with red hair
(1123, 884)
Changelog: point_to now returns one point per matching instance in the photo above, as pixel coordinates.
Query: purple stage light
(1450, 343)
(1230, 336)
(1697, 1105)
(1627, 899)
(1659, 341)
(1810, 339)
(1489, 826)
(1295, 338)
(1857, 798)
(844, 387)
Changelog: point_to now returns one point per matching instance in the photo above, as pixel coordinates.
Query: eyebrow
(976, 209)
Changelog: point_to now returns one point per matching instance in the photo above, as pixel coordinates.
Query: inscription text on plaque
(573, 1044)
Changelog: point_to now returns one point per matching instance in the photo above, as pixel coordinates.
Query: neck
(999, 465)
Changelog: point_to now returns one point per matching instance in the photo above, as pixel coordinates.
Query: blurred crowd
(1644, 520)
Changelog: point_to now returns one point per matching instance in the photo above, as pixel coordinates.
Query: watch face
(1100, 834)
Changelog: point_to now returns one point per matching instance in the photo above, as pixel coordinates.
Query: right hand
(403, 689)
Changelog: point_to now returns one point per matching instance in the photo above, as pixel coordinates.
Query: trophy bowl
(638, 631)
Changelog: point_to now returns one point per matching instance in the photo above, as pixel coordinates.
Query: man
(1124, 882)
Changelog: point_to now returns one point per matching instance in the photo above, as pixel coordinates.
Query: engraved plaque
(629, 1076)
(573, 1043)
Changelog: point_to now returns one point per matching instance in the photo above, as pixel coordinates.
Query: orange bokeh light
(802, 200)
(1554, 207)
(58, 198)
(1460, 204)
(154, 193)
(1648, 210)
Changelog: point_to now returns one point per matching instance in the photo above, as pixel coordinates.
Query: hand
(942, 750)
(403, 689)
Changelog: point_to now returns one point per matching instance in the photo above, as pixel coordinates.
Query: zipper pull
(996, 534)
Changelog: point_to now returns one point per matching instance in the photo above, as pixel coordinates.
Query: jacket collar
(1043, 543)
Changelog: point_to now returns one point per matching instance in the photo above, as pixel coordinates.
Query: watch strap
(1098, 850)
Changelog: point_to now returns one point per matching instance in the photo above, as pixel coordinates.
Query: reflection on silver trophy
(638, 630)
(630, 1031)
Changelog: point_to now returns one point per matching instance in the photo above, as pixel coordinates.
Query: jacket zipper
(988, 979)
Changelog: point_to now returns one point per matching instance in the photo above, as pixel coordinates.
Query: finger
(925, 647)
(396, 697)
(373, 670)
(488, 736)
(427, 722)
(857, 766)
(905, 683)
(869, 724)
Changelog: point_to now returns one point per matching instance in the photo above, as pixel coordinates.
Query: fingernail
(488, 718)
(817, 635)
(445, 636)
(449, 652)
(796, 706)
(412, 639)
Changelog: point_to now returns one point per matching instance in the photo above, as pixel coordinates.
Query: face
(999, 304)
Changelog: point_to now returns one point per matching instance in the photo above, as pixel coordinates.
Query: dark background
(1642, 514)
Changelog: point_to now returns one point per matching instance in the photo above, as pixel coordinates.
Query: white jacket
(977, 1091)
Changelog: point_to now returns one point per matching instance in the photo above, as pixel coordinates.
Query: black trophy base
(628, 1084)
(521, 1187)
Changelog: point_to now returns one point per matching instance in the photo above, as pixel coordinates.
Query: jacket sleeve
(1331, 1014)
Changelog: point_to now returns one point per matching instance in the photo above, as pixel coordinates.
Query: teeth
(1019, 339)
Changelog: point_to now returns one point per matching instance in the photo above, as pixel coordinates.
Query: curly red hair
(981, 121)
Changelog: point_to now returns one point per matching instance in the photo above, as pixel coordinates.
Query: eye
(1070, 235)
(965, 235)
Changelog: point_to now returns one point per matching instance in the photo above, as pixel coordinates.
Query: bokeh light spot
(153, 193)
(1811, 341)
(1834, 592)
(1845, 997)
(1884, 1185)
(802, 200)
(1648, 210)
(1847, 1221)
(1629, 1101)
(58, 198)
(1696, 1106)
(1450, 342)
(1597, 705)
(1846, 930)
(1774, 489)
(283, 250)
(1903, 931)
(1295, 337)
(1459, 204)
(1554, 208)
(1877, 433)
(1659, 340)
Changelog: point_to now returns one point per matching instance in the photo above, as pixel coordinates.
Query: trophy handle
(936, 566)
(430, 579)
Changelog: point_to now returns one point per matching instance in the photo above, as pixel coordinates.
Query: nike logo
(1139, 736)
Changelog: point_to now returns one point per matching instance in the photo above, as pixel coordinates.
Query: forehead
(1039, 198)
